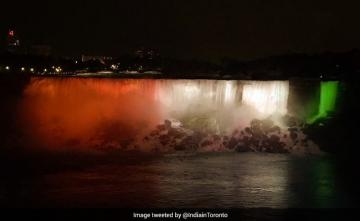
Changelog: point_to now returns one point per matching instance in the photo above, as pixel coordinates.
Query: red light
(11, 33)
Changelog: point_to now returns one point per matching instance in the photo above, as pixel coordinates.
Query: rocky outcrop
(259, 136)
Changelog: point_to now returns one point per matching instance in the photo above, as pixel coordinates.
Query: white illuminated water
(265, 98)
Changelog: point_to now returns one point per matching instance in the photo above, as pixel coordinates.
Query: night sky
(207, 30)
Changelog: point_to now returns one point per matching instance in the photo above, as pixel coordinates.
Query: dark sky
(243, 29)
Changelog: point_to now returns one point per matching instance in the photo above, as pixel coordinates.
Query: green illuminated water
(328, 96)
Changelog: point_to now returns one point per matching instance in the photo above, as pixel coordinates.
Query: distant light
(32, 69)
(76, 62)
(45, 70)
(22, 69)
(7, 68)
(11, 33)
(53, 67)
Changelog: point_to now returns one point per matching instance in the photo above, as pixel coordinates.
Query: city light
(22, 69)
(58, 69)
(7, 68)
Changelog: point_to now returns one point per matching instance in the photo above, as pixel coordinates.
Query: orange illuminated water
(73, 112)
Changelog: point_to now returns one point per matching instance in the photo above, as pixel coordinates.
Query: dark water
(201, 180)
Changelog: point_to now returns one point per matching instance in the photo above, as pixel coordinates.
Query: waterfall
(267, 97)
(327, 103)
(82, 111)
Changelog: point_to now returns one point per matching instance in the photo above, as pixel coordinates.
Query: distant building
(41, 50)
(101, 59)
(13, 43)
(148, 54)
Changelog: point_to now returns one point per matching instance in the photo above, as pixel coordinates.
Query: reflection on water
(226, 181)
(201, 180)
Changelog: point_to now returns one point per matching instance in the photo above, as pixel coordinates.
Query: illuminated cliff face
(81, 112)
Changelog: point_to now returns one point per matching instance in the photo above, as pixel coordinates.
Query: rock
(216, 137)
(206, 143)
(167, 124)
(293, 135)
(255, 123)
(261, 135)
(275, 129)
(175, 133)
(232, 143)
(292, 129)
(154, 133)
(188, 143)
(235, 132)
(241, 147)
(164, 139)
(198, 136)
(248, 130)
(179, 147)
(290, 121)
(161, 127)
(274, 139)
(266, 125)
